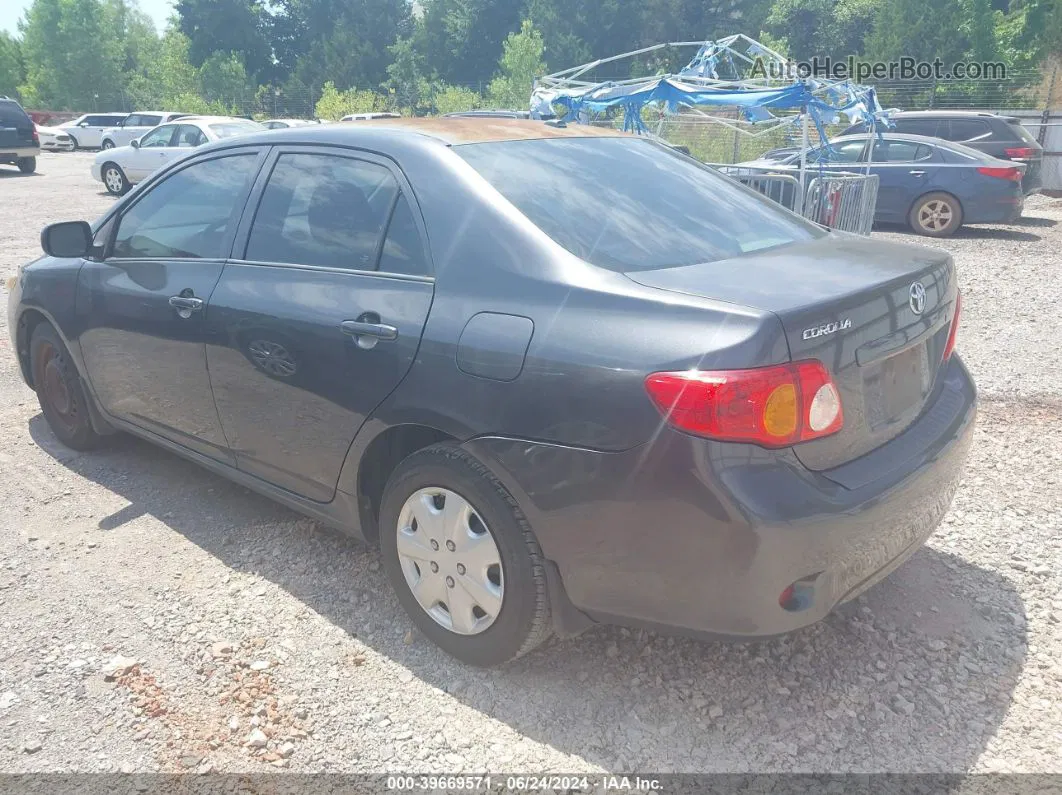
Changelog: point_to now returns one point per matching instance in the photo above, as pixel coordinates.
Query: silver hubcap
(935, 215)
(113, 179)
(273, 358)
(450, 561)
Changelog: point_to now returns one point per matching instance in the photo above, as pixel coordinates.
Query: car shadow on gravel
(968, 233)
(915, 675)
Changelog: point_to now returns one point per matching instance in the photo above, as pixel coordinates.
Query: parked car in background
(1002, 137)
(370, 116)
(490, 114)
(283, 124)
(87, 130)
(19, 141)
(54, 139)
(420, 331)
(932, 185)
(136, 124)
(124, 166)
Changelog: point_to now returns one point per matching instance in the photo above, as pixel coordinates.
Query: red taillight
(950, 347)
(770, 406)
(1021, 152)
(36, 136)
(1004, 172)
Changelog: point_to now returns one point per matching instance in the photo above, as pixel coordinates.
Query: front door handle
(186, 304)
(917, 173)
(361, 328)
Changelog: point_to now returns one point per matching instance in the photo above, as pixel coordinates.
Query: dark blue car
(933, 185)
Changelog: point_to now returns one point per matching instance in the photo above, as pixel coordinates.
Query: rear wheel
(59, 390)
(462, 559)
(114, 179)
(936, 215)
(27, 165)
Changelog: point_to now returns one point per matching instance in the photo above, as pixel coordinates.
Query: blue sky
(12, 10)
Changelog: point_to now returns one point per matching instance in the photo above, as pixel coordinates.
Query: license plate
(896, 385)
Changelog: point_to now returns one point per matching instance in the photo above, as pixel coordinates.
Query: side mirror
(135, 143)
(67, 239)
(83, 124)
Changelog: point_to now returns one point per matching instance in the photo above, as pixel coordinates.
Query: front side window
(189, 213)
(149, 121)
(628, 204)
(322, 210)
(900, 151)
(928, 127)
(158, 137)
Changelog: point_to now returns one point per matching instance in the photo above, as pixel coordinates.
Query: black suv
(1000, 136)
(19, 142)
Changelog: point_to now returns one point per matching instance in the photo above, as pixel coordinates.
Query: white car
(136, 124)
(87, 131)
(281, 124)
(54, 139)
(124, 166)
(370, 116)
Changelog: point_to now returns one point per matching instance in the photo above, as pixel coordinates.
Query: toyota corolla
(561, 375)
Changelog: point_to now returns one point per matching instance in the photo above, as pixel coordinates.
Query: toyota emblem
(918, 298)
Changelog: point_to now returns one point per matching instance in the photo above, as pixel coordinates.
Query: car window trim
(227, 248)
(254, 200)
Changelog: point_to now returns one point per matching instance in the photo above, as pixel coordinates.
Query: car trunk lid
(850, 303)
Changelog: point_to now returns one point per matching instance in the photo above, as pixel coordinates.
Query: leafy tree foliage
(11, 70)
(521, 63)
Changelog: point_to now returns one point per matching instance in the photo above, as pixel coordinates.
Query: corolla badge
(918, 298)
(826, 329)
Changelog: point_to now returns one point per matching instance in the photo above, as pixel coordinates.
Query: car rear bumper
(9, 154)
(704, 536)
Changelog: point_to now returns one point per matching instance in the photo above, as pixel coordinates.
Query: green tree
(73, 55)
(520, 64)
(222, 78)
(451, 99)
(835, 28)
(462, 39)
(11, 71)
(238, 26)
(405, 77)
(334, 104)
(921, 29)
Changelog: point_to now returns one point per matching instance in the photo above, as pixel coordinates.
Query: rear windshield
(227, 129)
(12, 115)
(1023, 133)
(629, 204)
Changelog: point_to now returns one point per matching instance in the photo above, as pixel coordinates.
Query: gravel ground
(248, 638)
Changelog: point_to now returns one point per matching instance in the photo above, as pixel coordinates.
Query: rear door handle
(359, 328)
(917, 173)
(186, 304)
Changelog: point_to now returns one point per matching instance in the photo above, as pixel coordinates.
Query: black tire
(107, 145)
(27, 165)
(59, 390)
(921, 210)
(74, 141)
(116, 183)
(524, 619)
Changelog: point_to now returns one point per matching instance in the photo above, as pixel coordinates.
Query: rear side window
(323, 210)
(1022, 132)
(187, 214)
(967, 130)
(12, 114)
(149, 121)
(928, 127)
(403, 249)
(628, 204)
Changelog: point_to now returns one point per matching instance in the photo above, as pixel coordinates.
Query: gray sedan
(561, 375)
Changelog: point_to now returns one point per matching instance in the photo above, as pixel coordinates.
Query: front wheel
(114, 179)
(462, 558)
(936, 215)
(59, 390)
(27, 165)
(108, 145)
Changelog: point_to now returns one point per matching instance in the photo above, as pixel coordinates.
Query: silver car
(136, 124)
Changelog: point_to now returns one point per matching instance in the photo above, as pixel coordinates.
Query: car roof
(898, 136)
(465, 130)
(921, 114)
